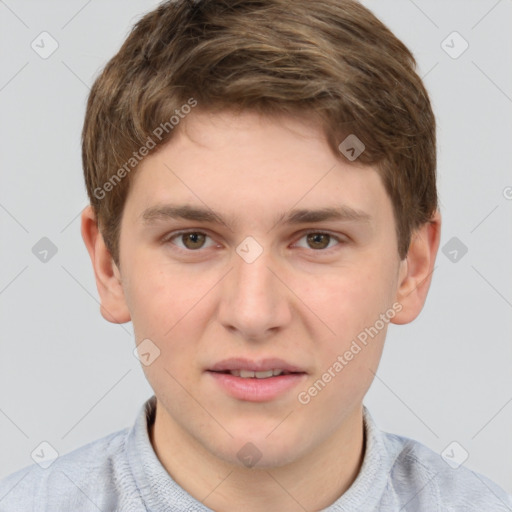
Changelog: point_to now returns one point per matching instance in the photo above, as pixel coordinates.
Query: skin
(299, 301)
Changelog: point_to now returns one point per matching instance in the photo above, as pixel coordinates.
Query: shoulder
(423, 477)
(84, 479)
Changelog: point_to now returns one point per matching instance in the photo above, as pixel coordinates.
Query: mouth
(256, 381)
(249, 374)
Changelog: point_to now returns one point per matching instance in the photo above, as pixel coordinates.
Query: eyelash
(177, 234)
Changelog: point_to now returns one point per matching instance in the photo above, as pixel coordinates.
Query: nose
(255, 303)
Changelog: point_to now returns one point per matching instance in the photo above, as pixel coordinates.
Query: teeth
(248, 374)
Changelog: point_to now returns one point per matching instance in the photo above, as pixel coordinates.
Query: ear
(108, 278)
(415, 272)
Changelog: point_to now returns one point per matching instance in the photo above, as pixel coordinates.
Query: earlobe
(108, 279)
(415, 274)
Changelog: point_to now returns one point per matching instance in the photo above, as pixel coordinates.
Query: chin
(258, 452)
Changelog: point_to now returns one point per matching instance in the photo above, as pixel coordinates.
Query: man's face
(257, 286)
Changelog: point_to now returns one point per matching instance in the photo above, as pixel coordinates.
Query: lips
(256, 381)
(241, 366)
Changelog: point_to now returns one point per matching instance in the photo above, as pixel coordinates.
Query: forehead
(227, 162)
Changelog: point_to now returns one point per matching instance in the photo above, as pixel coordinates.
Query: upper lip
(238, 363)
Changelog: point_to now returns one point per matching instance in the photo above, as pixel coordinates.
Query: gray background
(68, 377)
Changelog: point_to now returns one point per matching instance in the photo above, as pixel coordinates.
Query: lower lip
(257, 390)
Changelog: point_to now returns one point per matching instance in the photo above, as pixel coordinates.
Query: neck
(311, 483)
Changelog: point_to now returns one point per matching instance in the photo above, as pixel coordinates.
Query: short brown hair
(331, 58)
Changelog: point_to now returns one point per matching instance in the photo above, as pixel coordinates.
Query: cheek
(160, 300)
(166, 308)
(350, 299)
(351, 302)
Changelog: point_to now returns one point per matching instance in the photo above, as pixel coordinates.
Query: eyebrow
(164, 212)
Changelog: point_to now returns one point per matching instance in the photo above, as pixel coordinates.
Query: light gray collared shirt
(121, 473)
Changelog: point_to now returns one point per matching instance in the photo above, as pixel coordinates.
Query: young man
(263, 204)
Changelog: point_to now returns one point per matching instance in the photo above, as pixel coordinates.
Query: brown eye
(190, 241)
(318, 240)
(193, 240)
